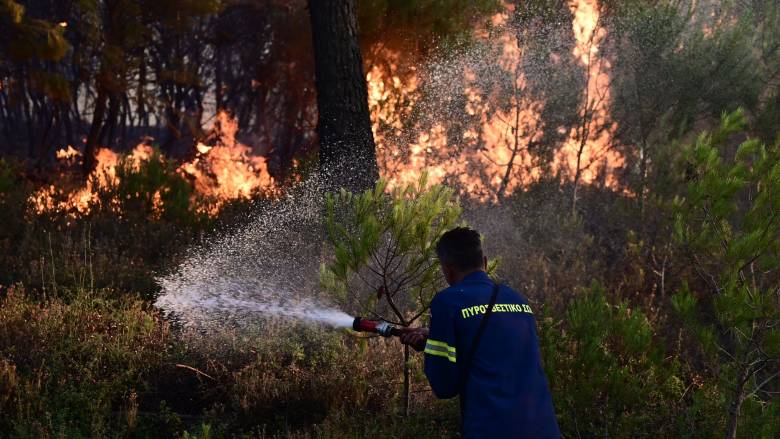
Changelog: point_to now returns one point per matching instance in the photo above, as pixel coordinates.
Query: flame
(585, 21)
(220, 172)
(591, 143)
(81, 200)
(228, 169)
(488, 160)
(69, 153)
(494, 160)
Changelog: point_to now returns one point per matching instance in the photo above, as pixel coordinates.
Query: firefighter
(487, 355)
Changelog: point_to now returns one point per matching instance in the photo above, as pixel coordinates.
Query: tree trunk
(143, 117)
(736, 404)
(347, 150)
(407, 380)
(218, 78)
(642, 185)
(90, 148)
(515, 134)
(24, 95)
(577, 175)
(108, 134)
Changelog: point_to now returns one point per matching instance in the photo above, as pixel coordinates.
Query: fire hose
(380, 327)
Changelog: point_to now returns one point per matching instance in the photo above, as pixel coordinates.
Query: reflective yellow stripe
(437, 349)
(440, 344)
(449, 356)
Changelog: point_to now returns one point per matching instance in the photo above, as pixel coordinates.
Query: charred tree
(93, 138)
(347, 149)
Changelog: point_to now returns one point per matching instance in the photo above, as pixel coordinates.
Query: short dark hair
(460, 248)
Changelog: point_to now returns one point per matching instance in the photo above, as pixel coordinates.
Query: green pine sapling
(727, 222)
(384, 263)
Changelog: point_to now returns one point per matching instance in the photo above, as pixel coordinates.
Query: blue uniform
(506, 395)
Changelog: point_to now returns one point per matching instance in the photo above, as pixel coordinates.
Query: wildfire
(220, 172)
(493, 160)
(54, 198)
(486, 158)
(228, 169)
(590, 143)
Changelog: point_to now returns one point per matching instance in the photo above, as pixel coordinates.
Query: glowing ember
(68, 154)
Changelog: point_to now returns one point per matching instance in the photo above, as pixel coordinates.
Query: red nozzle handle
(377, 326)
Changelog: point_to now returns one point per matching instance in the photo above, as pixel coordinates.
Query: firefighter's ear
(448, 273)
(484, 263)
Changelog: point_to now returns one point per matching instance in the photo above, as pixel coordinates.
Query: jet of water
(267, 269)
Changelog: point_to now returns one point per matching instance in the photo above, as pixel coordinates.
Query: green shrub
(141, 220)
(14, 192)
(608, 375)
(289, 380)
(151, 189)
(75, 369)
(384, 260)
(546, 252)
(728, 223)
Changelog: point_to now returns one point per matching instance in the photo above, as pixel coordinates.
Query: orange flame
(485, 163)
(80, 201)
(69, 153)
(228, 169)
(494, 160)
(219, 172)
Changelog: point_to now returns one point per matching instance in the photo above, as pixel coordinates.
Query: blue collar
(476, 277)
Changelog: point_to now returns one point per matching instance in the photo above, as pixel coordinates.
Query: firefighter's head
(460, 253)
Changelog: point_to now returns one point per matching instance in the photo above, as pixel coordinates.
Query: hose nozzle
(376, 326)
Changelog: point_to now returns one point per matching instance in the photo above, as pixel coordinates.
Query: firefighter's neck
(453, 276)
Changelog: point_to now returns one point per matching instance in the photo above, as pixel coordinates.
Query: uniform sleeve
(441, 366)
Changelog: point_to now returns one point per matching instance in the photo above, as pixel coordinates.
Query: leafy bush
(546, 251)
(151, 189)
(384, 252)
(139, 222)
(14, 191)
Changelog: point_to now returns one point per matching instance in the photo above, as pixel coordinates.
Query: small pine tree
(727, 222)
(608, 375)
(384, 257)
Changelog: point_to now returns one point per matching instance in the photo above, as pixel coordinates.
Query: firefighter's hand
(415, 338)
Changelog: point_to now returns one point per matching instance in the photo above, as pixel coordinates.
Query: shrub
(728, 223)
(14, 191)
(384, 257)
(75, 369)
(608, 376)
(546, 251)
(151, 189)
